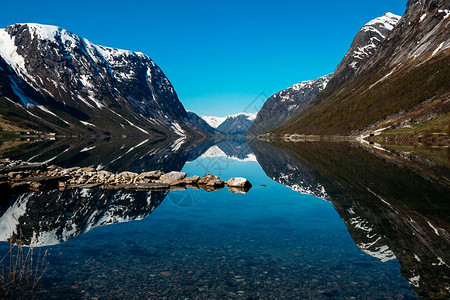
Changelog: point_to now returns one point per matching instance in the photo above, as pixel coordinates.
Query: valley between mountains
(394, 78)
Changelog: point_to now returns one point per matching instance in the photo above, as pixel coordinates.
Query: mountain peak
(366, 43)
(215, 121)
(388, 20)
(78, 83)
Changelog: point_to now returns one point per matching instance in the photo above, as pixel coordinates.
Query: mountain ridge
(56, 74)
(236, 124)
(404, 84)
(281, 107)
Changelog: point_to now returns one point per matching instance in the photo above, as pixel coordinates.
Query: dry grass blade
(21, 272)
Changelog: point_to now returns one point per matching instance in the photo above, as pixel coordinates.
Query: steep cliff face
(421, 34)
(201, 124)
(55, 74)
(405, 79)
(365, 44)
(282, 106)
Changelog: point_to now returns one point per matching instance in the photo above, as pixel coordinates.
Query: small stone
(35, 185)
(52, 167)
(127, 174)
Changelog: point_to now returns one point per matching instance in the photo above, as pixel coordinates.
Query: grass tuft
(21, 270)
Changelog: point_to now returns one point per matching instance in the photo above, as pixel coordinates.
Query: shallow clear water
(272, 242)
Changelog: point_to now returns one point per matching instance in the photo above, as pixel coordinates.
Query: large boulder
(151, 174)
(172, 177)
(239, 182)
(211, 180)
(192, 180)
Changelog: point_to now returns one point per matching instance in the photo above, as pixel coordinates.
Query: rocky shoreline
(21, 177)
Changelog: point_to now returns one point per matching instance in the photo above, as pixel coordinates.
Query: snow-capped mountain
(56, 80)
(200, 123)
(395, 73)
(282, 106)
(365, 44)
(231, 124)
(237, 124)
(214, 121)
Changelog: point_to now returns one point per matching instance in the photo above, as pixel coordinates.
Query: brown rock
(173, 176)
(151, 174)
(211, 180)
(239, 182)
(192, 180)
(35, 185)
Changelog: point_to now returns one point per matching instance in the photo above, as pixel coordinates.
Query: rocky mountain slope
(404, 83)
(198, 122)
(54, 80)
(282, 106)
(365, 44)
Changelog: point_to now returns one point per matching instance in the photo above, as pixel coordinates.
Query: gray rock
(239, 182)
(151, 175)
(192, 180)
(173, 176)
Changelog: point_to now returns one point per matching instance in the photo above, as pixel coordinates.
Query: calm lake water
(322, 220)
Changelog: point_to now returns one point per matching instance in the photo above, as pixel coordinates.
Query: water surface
(321, 221)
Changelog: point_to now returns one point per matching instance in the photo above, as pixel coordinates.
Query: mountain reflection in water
(393, 208)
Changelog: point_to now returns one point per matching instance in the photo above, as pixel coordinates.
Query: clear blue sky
(219, 55)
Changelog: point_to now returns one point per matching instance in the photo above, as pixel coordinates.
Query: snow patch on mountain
(215, 122)
(388, 20)
(77, 73)
(367, 41)
(8, 51)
